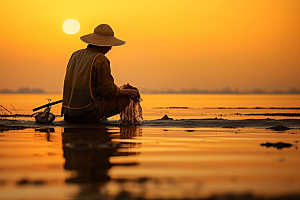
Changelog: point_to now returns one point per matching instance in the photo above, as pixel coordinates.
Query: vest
(77, 85)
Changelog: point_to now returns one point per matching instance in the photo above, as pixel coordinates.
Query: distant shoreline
(220, 92)
(226, 90)
(23, 91)
(159, 93)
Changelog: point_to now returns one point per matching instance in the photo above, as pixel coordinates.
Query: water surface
(181, 106)
(151, 163)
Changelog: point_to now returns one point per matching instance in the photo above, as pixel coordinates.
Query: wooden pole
(46, 105)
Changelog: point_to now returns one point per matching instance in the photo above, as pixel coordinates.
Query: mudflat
(8, 124)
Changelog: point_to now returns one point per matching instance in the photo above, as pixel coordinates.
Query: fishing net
(131, 111)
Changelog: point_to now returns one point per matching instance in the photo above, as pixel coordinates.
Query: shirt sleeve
(103, 79)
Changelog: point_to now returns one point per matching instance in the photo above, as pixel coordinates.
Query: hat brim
(101, 41)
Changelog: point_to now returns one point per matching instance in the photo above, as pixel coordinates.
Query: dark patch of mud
(222, 123)
(166, 121)
(166, 117)
(28, 182)
(189, 130)
(278, 145)
(123, 194)
(258, 108)
(229, 127)
(275, 114)
(279, 128)
(9, 128)
(172, 107)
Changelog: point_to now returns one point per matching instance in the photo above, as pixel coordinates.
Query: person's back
(77, 92)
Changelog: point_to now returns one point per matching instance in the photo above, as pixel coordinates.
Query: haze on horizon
(170, 45)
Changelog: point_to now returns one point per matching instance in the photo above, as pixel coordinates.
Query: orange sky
(201, 44)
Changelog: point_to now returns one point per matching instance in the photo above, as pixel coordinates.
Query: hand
(131, 93)
(126, 86)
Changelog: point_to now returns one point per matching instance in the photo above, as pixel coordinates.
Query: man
(89, 89)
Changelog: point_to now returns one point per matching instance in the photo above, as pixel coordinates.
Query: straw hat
(103, 36)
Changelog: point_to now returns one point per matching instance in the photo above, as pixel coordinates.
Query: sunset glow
(170, 45)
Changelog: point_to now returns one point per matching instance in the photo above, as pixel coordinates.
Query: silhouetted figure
(89, 89)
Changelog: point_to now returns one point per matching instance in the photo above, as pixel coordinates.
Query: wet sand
(9, 124)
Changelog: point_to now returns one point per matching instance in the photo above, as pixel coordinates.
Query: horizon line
(226, 90)
(279, 92)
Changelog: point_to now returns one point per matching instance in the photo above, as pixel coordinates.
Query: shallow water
(153, 163)
(181, 106)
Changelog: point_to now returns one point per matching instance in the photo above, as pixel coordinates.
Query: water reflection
(129, 133)
(175, 163)
(46, 130)
(87, 153)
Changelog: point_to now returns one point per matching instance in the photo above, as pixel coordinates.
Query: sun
(71, 26)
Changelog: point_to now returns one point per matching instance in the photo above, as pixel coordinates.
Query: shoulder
(101, 59)
(101, 56)
(76, 53)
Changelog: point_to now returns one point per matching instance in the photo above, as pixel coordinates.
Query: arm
(131, 93)
(105, 81)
